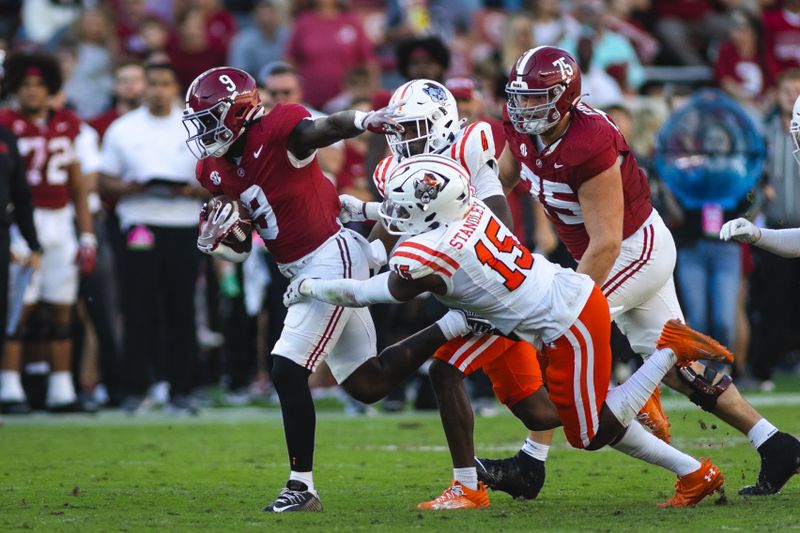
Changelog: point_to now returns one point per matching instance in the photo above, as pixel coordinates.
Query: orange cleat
(693, 487)
(653, 418)
(457, 496)
(690, 345)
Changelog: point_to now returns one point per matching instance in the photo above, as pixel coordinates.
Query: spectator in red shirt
(686, 27)
(782, 37)
(220, 25)
(131, 15)
(191, 50)
(325, 44)
(740, 69)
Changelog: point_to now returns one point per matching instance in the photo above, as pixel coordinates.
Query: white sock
(535, 450)
(60, 389)
(11, 387)
(639, 443)
(627, 399)
(305, 477)
(760, 432)
(467, 477)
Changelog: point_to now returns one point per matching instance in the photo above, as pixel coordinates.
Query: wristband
(360, 116)
(88, 239)
(370, 210)
(453, 324)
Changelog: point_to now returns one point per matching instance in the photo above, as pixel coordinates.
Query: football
(226, 220)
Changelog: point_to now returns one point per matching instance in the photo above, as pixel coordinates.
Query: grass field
(215, 472)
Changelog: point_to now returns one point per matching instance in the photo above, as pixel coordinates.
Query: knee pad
(705, 392)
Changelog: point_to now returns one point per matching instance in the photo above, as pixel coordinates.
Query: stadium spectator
(416, 18)
(708, 270)
(551, 24)
(88, 84)
(599, 88)
(220, 24)
(517, 38)
(325, 44)
(688, 27)
(262, 42)
(776, 281)
(619, 18)
(129, 84)
(42, 19)
(359, 86)
(427, 58)
(15, 208)
(611, 51)
(154, 34)
(283, 86)
(740, 69)
(782, 37)
(147, 165)
(191, 50)
(132, 15)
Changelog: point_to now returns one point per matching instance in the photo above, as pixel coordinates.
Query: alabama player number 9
(502, 264)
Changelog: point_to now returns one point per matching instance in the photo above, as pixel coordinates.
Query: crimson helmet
(543, 86)
(220, 103)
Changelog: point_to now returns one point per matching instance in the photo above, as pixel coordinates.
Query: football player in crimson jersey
(464, 255)
(431, 124)
(46, 141)
(267, 161)
(581, 170)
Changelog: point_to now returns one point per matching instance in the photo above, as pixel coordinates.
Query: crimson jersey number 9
(503, 262)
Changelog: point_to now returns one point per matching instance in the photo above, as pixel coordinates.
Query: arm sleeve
(783, 242)
(352, 292)
(21, 198)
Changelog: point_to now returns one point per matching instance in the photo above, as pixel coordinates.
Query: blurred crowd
(138, 340)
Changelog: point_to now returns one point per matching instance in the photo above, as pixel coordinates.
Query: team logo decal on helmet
(427, 188)
(436, 93)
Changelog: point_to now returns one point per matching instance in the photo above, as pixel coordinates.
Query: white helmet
(430, 114)
(794, 129)
(424, 192)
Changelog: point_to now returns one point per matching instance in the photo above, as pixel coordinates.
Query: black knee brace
(705, 392)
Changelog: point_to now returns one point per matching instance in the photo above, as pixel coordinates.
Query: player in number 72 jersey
(467, 258)
(46, 142)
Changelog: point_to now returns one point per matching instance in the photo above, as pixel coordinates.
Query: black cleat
(15, 408)
(780, 460)
(295, 497)
(521, 476)
(78, 406)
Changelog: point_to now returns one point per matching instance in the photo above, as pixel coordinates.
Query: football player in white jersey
(461, 253)
(431, 124)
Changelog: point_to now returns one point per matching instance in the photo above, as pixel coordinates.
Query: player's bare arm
(509, 171)
(601, 200)
(385, 288)
(309, 135)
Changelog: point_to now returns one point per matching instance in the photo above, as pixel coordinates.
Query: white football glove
(355, 210)
(741, 230)
(296, 292)
(382, 121)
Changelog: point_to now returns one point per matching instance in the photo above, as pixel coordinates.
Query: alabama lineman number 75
(504, 262)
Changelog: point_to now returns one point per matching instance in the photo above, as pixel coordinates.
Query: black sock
(299, 418)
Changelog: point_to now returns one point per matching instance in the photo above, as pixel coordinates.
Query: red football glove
(87, 253)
